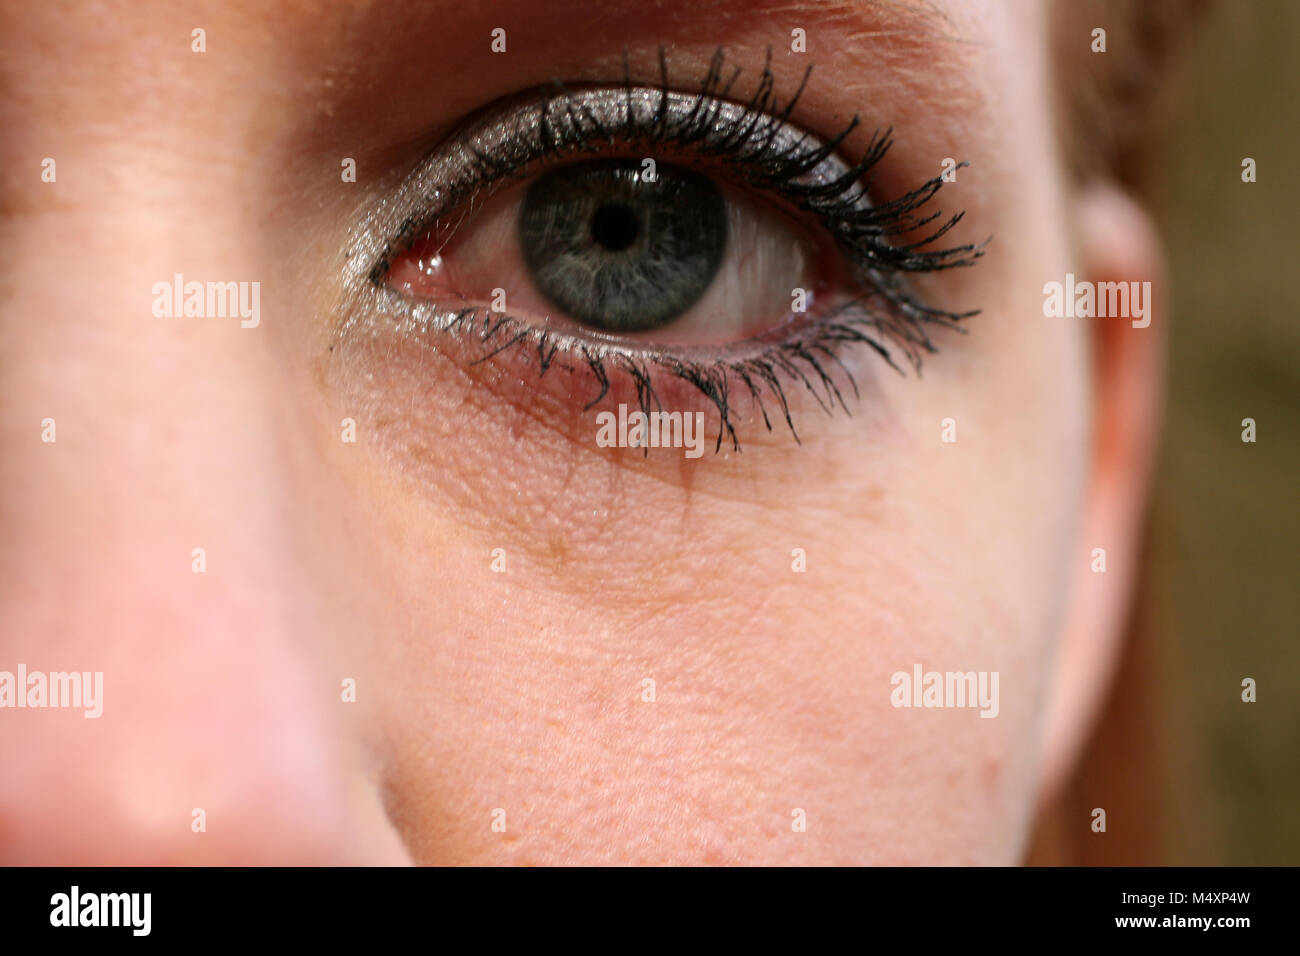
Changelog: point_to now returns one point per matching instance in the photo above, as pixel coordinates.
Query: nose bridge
(147, 502)
(141, 416)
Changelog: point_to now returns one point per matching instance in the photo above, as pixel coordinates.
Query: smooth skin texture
(522, 691)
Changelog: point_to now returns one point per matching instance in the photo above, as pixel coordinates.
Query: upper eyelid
(505, 138)
(547, 123)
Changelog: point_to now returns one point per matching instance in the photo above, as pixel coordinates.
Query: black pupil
(615, 226)
(616, 254)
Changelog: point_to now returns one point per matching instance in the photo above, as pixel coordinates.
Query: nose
(154, 547)
(155, 539)
(195, 735)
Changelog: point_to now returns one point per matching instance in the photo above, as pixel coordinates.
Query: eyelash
(756, 146)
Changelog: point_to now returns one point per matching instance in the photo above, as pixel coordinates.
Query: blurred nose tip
(228, 771)
(140, 826)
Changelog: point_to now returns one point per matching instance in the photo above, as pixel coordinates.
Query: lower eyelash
(810, 358)
(753, 144)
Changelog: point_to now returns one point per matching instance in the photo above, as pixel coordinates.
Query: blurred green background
(1223, 599)
(1187, 772)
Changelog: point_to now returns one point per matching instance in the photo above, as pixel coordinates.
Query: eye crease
(639, 279)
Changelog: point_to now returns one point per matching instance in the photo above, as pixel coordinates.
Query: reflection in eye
(622, 254)
(695, 274)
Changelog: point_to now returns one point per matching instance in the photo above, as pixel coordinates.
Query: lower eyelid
(552, 378)
(565, 379)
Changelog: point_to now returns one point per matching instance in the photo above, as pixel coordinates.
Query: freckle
(558, 549)
(993, 767)
(875, 493)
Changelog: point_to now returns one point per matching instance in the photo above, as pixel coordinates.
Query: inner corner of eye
(653, 251)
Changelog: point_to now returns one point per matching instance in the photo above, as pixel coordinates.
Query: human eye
(667, 248)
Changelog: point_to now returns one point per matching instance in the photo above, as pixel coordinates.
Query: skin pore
(523, 690)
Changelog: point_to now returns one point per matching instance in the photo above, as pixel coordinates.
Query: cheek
(628, 663)
(591, 657)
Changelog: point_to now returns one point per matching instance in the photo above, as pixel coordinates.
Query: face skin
(523, 690)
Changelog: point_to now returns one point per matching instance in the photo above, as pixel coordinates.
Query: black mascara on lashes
(753, 143)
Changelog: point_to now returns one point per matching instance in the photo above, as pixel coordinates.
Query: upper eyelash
(758, 147)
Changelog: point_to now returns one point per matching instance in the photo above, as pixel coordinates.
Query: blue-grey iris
(617, 251)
